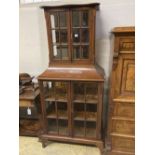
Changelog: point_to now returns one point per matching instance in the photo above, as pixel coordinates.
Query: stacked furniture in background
(29, 106)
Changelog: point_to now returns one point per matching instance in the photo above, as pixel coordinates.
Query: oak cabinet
(71, 89)
(121, 128)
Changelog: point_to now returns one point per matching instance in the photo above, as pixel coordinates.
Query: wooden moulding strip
(120, 153)
(122, 135)
(72, 140)
(126, 100)
(123, 118)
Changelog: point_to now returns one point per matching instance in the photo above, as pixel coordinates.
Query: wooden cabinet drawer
(123, 144)
(123, 126)
(124, 110)
(126, 44)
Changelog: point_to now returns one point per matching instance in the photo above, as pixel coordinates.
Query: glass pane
(85, 35)
(64, 52)
(63, 127)
(75, 19)
(91, 129)
(55, 36)
(48, 90)
(50, 109)
(92, 93)
(54, 20)
(76, 35)
(76, 52)
(63, 36)
(79, 129)
(85, 18)
(85, 53)
(62, 110)
(52, 125)
(63, 19)
(79, 92)
(61, 91)
(56, 52)
(91, 112)
(79, 111)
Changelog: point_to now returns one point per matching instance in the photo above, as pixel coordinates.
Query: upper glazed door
(71, 35)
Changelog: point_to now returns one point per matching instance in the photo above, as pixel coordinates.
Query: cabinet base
(46, 138)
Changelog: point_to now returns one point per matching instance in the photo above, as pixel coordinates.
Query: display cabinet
(72, 87)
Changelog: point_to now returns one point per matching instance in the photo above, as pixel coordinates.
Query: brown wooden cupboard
(72, 87)
(121, 132)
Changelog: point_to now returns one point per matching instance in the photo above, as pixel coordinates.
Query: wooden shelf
(51, 99)
(52, 115)
(79, 98)
(62, 114)
(91, 132)
(80, 132)
(80, 116)
(92, 99)
(63, 130)
(90, 116)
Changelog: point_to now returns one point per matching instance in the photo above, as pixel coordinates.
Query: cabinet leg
(44, 143)
(101, 147)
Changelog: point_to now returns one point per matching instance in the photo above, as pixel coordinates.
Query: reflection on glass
(55, 36)
(75, 19)
(56, 52)
(85, 18)
(63, 36)
(76, 52)
(64, 51)
(63, 19)
(76, 35)
(85, 35)
(54, 20)
(84, 52)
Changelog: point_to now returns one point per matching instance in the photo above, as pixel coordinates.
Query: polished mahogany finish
(72, 86)
(121, 132)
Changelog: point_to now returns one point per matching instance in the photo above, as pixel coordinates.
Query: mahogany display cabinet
(72, 87)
